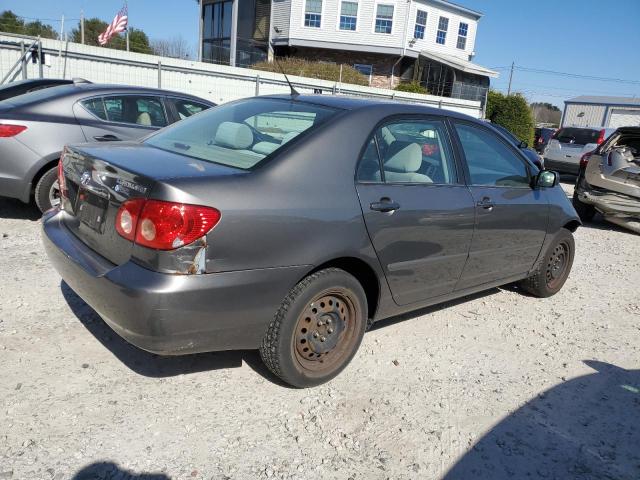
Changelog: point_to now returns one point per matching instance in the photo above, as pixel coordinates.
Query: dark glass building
(235, 32)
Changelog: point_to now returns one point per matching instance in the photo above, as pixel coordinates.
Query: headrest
(405, 157)
(234, 135)
(265, 148)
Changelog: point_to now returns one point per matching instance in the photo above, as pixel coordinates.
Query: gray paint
(277, 226)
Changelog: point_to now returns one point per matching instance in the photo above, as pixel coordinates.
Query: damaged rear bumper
(617, 208)
(170, 314)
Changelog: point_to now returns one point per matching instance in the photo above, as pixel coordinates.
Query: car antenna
(294, 92)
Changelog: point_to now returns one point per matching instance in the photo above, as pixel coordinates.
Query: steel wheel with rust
(317, 330)
(553, 270)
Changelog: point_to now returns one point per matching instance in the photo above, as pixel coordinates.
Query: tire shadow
(158, 366)
(109, 470)
(587, 428)
(15, 209)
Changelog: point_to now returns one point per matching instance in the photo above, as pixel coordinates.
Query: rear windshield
(577, 136)
(241, 134)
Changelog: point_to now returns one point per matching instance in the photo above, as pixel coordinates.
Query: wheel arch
(572, 225)
(47, 163)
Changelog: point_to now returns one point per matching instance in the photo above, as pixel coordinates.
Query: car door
(120, 116)
(418, 213)
(511, 216)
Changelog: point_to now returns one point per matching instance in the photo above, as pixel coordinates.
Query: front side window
(491, 162)
(312, 13)
(146, 111)
(241, 134)
(348, 15)
(463, 29)
(443, 26)
(421, 23)
(408, 151)
(384, 19)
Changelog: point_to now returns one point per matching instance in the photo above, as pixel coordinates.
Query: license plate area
(91, 209)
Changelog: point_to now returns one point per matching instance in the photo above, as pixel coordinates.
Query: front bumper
(170, 314)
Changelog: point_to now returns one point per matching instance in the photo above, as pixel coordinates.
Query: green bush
(307, 68)
(412, 87)
(513, 113)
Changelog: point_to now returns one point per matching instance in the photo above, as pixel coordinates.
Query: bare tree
(176, 47)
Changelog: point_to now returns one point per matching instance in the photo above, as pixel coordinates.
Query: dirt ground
(499, 385)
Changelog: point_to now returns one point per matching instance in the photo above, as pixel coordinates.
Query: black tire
(553, 268)
(585, 211)
(317, 329)
(43, 189)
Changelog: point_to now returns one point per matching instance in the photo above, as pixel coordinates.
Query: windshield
(241, 134)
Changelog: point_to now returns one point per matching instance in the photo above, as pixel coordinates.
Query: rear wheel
(317, 329)
(554, 268)
(47, 193)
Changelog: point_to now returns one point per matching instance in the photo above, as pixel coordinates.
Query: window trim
(105, 95)
(304, 12)
(357, 16)
(465, 36)
(458, 174)
(375, 16)
(463, 159)
(416, 24)
(438, 30)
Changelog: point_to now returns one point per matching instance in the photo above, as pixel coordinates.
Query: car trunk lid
(98, 179)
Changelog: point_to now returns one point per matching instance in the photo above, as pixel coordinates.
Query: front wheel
(554, 267)
(317, 329)
(47, 193)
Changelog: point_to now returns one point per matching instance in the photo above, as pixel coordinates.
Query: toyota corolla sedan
(290, 224)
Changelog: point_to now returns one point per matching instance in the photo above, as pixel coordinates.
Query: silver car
(609, 181)
(569, 144)
(35, 127)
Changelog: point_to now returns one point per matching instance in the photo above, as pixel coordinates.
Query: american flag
(118, 25)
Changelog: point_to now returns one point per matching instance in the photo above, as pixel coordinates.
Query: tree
(11, 23)
(546, 113)
(176, 47)
(513, 113)
(93, 27)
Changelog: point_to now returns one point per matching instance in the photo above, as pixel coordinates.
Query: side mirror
(547, 179)
(523, 144)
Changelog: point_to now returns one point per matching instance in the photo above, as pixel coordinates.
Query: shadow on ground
(11, 208)
(111, 471)
(587, 428)
(158, 366)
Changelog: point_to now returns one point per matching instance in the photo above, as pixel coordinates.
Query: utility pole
(82, 27)
(510, 78)
(62, 29)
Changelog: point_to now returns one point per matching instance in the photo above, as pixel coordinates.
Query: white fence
(218, 83)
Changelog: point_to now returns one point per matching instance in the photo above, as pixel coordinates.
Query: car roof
(356, 103)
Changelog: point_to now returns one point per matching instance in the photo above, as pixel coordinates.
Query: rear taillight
(601, 137)
(11, 130)
(164, 225)
(585, 159)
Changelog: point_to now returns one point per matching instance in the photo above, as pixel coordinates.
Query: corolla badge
(85, 178)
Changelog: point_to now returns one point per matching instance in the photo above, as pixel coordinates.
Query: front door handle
(486, 203)
(106, 138)
(384, 205)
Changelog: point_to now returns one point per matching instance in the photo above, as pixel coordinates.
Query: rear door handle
(106, 138)
(486, 203)
(384, 205)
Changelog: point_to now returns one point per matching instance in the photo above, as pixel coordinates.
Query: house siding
(281, 14)
(593, 115)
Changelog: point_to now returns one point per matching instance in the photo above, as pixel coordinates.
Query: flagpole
(127, 35)
(126, 6)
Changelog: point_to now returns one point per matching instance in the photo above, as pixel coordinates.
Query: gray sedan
(35, 127)
(291, 224)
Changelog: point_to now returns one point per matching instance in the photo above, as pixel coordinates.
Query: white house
(429, 41)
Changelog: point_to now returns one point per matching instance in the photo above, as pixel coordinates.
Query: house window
(462, 36)
(348, 15)
(443, 26)
(421, 22)
(312, 13)
(384, 19)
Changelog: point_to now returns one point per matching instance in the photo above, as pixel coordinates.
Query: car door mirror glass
(547, 179)
(523, 144)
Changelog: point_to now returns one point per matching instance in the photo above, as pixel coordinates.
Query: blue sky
(586, 37)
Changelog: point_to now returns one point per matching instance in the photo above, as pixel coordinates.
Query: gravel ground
(499, 385)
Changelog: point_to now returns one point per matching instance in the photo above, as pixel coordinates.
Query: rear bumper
(562, 167)
(608, 202)
(170, 314)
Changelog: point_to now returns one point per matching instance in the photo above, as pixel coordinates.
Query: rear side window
(408, 151)
(147, 111)
(186, 108)
(241, 134)
(577, 136)
(95, 106)
(490, 161)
